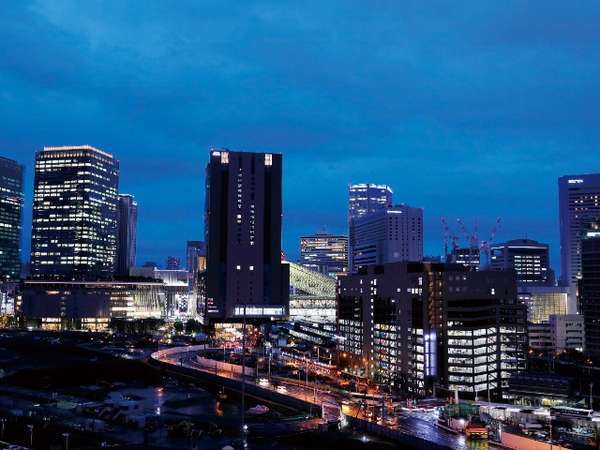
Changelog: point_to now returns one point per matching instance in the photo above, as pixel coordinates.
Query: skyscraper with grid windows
(75, 213)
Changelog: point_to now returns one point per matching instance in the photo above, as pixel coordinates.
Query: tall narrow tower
(11, 210)
(243, 236)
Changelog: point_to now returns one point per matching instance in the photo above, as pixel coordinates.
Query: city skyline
(461, 130)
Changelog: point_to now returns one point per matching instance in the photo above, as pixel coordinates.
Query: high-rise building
(589, 289)
(467, 256)
(579, 205)
(127, 237)
(365, 198)
(243, 234)
(195, 260)
(75, 213)
(11, 210)
(173, 263)
(419, 325)
(528, 258)
(388, 235)
(324, 253)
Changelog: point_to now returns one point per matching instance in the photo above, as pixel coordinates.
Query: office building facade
(75, 213)
(568, 332)
(58, 305)
(528, 258)
(243, 234)
(11, 212)
(579, 205)
(467, 256)
(363, 199)
(589, 289)
(388, 235)
(127, 236)
(195, 256)
(416, 325)
(366, 198)
(324, 253)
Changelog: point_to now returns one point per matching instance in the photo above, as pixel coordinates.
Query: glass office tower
(11, 206)
(75, 213)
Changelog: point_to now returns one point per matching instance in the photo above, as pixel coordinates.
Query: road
(337, 402)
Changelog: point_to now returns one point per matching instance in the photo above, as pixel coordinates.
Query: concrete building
(579, 205)
(568, 332)
(540, 336)
(589, 289)
(75, 214)
(388, 235)
(244, 272)
(324, 253)
(419, 325)
(561, 332)
(11, 212)
(58, 305)
(469, 257)
(127, 236)
(528, 258)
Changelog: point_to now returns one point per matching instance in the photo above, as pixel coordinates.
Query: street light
(30, 428)
(66, 436)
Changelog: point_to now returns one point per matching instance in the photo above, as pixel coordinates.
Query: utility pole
(244, 378)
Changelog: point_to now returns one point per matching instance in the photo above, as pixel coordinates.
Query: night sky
(468, 109)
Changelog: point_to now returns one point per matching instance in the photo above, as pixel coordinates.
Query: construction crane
(485, 246)
(448, 236)
(472, 241)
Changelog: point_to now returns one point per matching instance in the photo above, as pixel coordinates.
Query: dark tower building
(11, 206)
(243, 235)
(528, 258)
(127, 238)
(589, 289)
(75, 213)
(173, 263)
(195, 255)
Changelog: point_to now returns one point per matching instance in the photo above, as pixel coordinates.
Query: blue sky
(468, 109)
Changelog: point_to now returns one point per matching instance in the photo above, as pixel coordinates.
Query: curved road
(422, 429)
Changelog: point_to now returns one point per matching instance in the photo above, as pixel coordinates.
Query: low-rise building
(57, 305)
(568, 332)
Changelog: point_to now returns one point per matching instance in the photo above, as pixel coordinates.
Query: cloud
(468, 109)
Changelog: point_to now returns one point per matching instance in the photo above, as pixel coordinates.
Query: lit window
(268, 159)
(251, 267)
